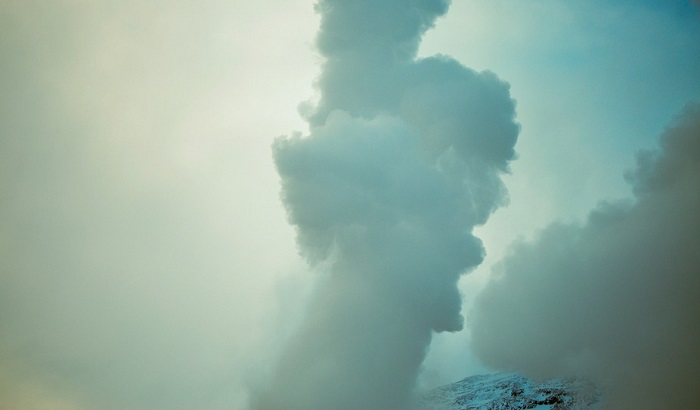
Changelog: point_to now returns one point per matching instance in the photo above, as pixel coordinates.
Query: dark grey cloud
(403, 159)
(615, 299)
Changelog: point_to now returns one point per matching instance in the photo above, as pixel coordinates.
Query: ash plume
(403, 159)
(615, 299)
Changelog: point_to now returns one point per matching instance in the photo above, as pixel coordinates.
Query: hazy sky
(146, 260)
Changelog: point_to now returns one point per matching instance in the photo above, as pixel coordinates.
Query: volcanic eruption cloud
(403, 159)
(615, 299)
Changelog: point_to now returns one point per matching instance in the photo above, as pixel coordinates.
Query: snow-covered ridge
(512, 391)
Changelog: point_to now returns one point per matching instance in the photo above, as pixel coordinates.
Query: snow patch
(513, 391)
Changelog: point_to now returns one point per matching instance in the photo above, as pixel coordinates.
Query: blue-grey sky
(146, 258)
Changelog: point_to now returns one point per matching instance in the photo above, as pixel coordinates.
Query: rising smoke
(615, 299)
(403, 159)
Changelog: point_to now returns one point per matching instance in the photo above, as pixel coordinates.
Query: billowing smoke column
(402, 161)
(616, 299)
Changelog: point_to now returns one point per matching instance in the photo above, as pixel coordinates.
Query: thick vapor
(615, 299)
(130, 226)
(403, 159)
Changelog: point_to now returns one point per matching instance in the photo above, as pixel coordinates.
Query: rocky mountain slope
(512, 391)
